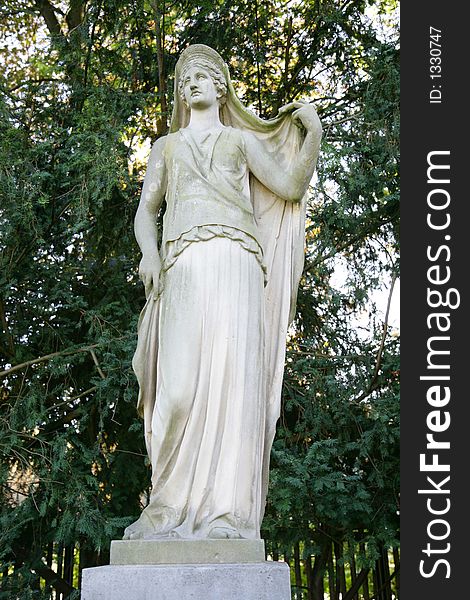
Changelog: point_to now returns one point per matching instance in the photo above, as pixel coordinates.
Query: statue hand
(149, 273)
(306, 114)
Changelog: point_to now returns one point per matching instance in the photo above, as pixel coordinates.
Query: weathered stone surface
(256, 581)
(221, 287)
(154, 552)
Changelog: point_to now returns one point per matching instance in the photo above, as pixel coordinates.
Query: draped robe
(211, 349)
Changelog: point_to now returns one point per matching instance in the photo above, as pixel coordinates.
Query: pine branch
(90, 44)
(6, 330)
(349, 242)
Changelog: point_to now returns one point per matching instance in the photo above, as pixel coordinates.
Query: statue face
(199, 88)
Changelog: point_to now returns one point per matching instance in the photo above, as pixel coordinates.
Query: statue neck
(206, 118)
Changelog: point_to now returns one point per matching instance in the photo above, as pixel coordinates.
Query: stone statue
(221, 292)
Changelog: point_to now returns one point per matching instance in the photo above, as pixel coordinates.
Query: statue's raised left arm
(291, 184)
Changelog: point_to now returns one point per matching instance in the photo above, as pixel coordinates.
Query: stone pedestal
(251, 581)
(177, 551)
(187, 570)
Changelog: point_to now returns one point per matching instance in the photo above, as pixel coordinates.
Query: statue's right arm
(145, 227)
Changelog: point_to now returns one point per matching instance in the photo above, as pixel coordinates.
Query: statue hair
(216, 75)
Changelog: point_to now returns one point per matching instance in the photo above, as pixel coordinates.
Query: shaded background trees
(87, 88)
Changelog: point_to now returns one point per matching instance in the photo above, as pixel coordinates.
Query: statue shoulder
(159, 146)
(163, 143)
(237, 137)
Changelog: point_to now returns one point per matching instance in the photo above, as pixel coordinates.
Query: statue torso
(208, 182)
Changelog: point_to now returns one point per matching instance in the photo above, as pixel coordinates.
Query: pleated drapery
(205, 432)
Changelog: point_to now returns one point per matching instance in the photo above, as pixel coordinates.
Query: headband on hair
(197, 52)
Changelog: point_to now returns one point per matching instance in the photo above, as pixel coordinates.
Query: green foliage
(83, 92)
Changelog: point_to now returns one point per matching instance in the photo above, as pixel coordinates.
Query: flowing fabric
(203, 434)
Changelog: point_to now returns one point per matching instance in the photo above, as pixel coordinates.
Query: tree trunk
(287, 559)
(376, 583)
(88, 558)
(159, 11)
(352, 566)
(50, 550)
(258, 72)
(308, 572)
(275, 552)
(396, 560)
(60, 559)
(331, 577)
(382, 587)
(386, 575)
(365, 587)
(297, 572)
(69, 563)
(319, 570)
(340, 575)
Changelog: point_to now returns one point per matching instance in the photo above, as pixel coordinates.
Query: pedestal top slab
(177, 551)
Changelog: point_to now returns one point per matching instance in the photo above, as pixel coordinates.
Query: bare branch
(95, 360)
(23, 83)
(47, 357)
(352, 592)
(53, 579)
(70, 400)
(378, 359)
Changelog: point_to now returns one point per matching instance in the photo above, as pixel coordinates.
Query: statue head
(210, 62)
(232, 111)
